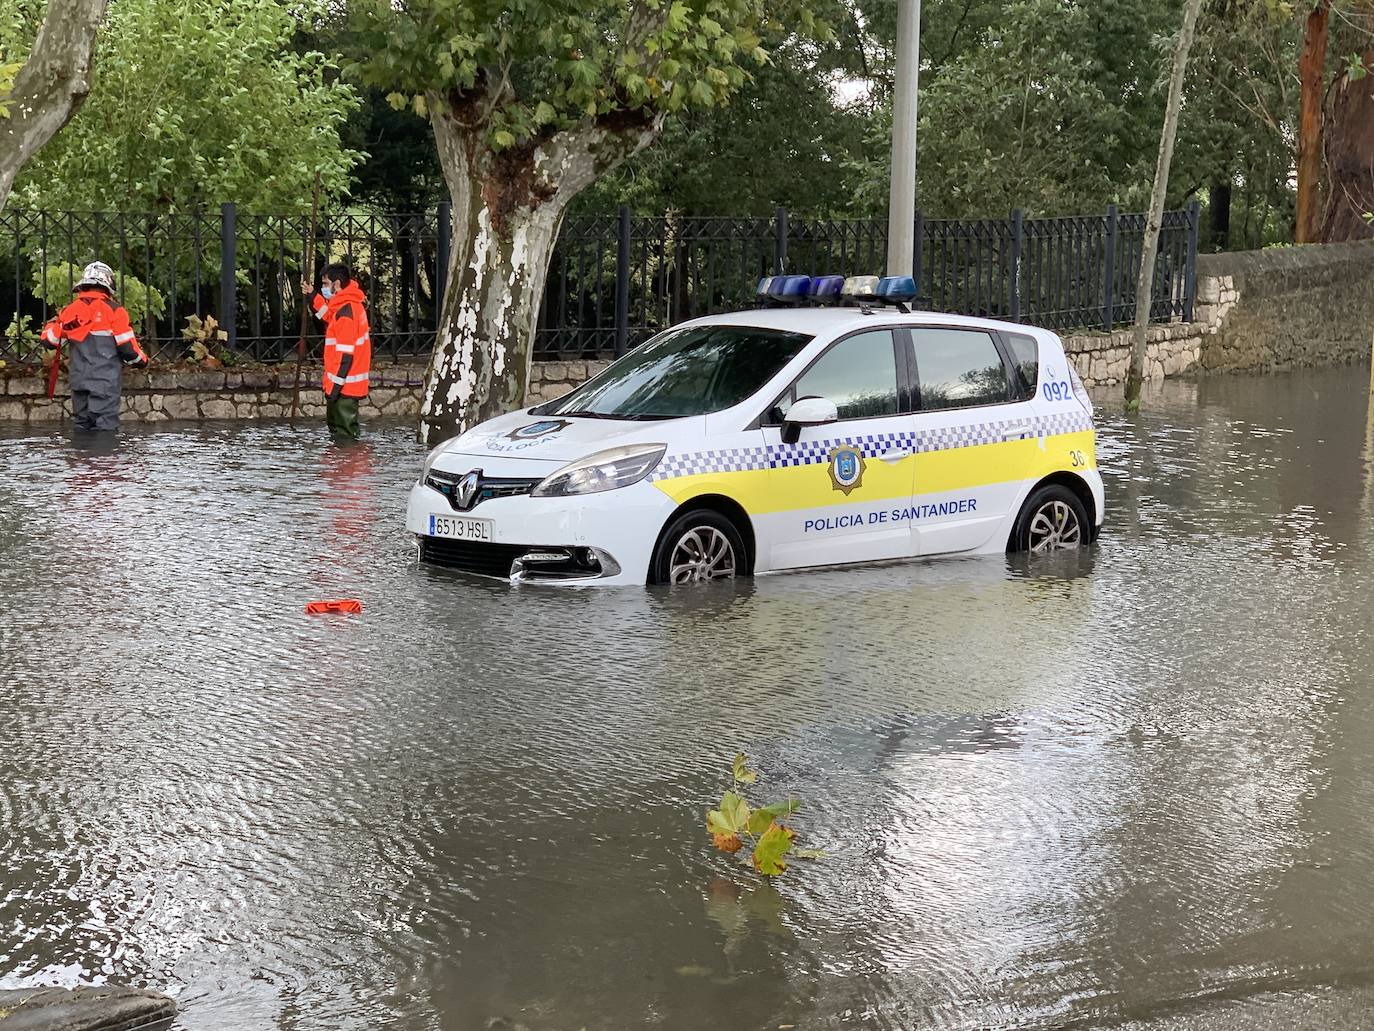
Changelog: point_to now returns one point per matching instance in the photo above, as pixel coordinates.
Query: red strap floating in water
(348, 605)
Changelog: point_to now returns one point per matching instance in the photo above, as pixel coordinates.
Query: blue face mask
(327, 292)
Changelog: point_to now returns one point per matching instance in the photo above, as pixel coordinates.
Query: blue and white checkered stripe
(876, 445)
(725, 460)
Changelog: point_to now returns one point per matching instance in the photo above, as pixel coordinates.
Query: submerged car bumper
(606, 538)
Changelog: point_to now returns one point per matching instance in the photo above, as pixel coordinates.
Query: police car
(832, 427)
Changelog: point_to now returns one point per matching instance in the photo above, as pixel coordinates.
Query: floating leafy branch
(764, 827)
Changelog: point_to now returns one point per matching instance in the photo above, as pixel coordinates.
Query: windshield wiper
(584, 413)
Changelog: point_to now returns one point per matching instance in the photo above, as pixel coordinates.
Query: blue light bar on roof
(764, 284)
(897, 289)
(826, 289)
(789, 288)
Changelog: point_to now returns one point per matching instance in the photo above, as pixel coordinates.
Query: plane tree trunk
(1312, 81)
(507, 208)
(1349, 143)
(51, 86)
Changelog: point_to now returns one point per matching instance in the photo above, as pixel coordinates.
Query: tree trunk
(507, 207)
(1349, 158)
(1145, 286)
(1312, 79)
(51, 86)
(1219, 215)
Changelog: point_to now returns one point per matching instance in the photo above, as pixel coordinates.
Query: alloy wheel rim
(1055, 527)
(701, 555)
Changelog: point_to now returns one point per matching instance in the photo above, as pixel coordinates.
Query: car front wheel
(698, 547)
(1053, 519)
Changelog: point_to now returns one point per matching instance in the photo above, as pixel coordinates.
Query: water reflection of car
(776, 439)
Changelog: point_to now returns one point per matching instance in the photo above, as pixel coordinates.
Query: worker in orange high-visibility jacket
(101, 342)
(341, 306)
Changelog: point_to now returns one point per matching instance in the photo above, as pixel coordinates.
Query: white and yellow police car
(778, 438)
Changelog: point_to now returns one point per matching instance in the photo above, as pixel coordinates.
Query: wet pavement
(1132, 788)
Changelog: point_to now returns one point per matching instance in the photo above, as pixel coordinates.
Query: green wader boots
(342, 416)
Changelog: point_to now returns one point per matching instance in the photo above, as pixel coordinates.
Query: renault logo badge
(465, 490)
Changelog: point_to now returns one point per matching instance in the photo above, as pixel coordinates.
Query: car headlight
(605, 470)
(430, 459)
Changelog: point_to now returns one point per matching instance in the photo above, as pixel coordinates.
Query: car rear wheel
(1052, 519)
(698, 547)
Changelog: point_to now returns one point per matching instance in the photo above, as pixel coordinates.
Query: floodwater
(1135, 788)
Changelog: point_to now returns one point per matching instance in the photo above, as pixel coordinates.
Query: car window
(695, 370)
(859, 374)
(1025, 356)
(958, 368)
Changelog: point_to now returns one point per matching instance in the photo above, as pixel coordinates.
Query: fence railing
(614, 280)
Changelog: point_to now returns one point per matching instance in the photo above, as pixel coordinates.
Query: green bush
(139, 299)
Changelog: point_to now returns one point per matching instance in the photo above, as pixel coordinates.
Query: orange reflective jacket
(93, 311)
(347, 346)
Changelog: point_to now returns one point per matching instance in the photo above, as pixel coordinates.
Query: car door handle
(1018, 431)
(897, 456)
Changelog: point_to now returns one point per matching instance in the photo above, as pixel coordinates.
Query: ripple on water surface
(1126, 786)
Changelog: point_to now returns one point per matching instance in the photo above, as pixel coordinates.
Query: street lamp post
(901, 208)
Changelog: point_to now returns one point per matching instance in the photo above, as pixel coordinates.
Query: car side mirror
(808, 411)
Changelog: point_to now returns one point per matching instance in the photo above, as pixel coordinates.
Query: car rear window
(958, 368)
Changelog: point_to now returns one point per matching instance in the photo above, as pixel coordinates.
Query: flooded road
(1131, 789)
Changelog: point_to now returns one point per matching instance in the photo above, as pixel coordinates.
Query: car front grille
(479, 557)
(488, 487)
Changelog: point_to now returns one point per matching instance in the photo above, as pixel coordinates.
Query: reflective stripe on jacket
(347, 345)
(92, 312)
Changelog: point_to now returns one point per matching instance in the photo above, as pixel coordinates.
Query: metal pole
(901, 208)
(918, 245)
(622, 283)
(780, 242)
(1109, 272)
(228, 259)
(1017, 236)
(1190, 268)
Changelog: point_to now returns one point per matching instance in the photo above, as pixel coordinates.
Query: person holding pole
(341, 306)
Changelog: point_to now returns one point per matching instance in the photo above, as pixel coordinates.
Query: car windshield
(695, 370)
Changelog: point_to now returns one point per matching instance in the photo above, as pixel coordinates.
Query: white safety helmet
(97, 273)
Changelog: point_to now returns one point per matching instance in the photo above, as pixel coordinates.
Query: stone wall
(1286, 307)
(161, 394)
(1103, 358)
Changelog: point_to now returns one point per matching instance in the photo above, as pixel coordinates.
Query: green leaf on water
(742, 774)
(732, 816)
(760, 818)
(775, 843)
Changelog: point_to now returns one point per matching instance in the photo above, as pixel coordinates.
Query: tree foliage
(528, 70)
(194, 103)
(784, 139)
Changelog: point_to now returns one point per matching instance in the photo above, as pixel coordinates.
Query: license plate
(460, 528)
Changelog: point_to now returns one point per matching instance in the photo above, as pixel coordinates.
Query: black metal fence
(614, 280)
